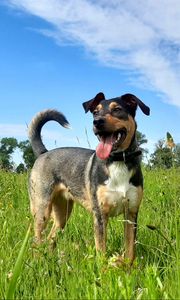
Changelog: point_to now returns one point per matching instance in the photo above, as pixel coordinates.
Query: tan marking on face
(114, 124)
(99, 107)
(131, 127)
(113, 105)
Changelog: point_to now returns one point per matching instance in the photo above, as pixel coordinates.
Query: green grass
(73, 270)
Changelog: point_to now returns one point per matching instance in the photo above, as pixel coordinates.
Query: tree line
(165, 155)
(8, 147)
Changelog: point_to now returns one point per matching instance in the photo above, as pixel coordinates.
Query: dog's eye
(117, 109)
(95, 112)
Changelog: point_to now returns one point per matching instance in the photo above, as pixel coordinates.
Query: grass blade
(18, 266)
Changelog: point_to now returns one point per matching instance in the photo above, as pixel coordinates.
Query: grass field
(73, 270)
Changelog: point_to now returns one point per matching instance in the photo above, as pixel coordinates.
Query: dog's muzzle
(109, 141)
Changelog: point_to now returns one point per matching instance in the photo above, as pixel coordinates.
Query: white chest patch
(119, 188)
(119, 178)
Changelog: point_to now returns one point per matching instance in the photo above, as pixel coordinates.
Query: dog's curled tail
(34, 129)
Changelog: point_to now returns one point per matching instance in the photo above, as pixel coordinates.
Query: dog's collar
(124, 156)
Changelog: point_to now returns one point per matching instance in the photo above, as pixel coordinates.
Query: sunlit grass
(18, 267)
(73, 270)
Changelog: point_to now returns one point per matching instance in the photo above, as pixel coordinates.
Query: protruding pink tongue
(104, 148)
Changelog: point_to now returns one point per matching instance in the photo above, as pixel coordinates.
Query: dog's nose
(98, 123)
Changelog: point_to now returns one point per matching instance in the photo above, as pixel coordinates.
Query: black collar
(124, 156)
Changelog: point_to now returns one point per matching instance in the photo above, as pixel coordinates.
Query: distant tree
(141, 140)
(28, 154)
(176, 156)
(7, 147)
(162, 156)
(21, 168)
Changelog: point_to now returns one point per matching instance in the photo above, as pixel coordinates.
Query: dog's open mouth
(109, 142)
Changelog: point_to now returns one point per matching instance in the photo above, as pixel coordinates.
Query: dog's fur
(106, 182)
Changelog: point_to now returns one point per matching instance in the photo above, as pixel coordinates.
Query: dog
(107, 182)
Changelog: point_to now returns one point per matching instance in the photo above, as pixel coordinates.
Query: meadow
(73, 270)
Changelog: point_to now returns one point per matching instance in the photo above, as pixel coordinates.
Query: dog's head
(114, 122)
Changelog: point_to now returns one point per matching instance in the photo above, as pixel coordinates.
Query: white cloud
(142, 36)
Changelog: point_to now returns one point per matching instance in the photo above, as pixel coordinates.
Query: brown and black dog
(107, 182)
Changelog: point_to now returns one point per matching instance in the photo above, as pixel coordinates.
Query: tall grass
(18, 266)
(73, 270)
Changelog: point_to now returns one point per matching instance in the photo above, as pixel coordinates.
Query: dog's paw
(120, 261)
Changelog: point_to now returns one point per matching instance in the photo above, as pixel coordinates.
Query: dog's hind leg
(61, 210)
(41, 215)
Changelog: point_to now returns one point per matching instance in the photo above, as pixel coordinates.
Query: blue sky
(58, 54)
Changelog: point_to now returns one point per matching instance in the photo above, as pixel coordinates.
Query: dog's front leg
(100, 233)
(130, 228)
(100, 223)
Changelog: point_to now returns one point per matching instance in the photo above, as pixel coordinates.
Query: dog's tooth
(119, 136)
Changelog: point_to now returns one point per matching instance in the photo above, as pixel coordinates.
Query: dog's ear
(91, 104)
(131, 102)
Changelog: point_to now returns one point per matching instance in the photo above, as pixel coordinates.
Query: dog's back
(61, 165)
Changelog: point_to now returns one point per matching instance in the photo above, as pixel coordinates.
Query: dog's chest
(118, 189)
(119, 177)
